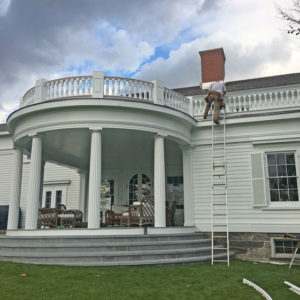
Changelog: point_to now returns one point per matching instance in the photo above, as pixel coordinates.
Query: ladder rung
(219, 203)
(220, 214)
(220, 236)
(220, 248)
(220, 260)
(219, 194)
(218, 174)
(219, 184)
(219, 166)
(220, 225)
(219, 156)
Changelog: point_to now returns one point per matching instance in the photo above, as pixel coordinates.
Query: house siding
(243, 216)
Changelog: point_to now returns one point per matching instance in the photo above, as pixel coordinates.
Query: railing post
(40, 91)
(158, 92)
(98, 84)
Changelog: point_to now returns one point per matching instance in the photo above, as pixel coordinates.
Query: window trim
(282, 204)
(281, 255)
(53, 186)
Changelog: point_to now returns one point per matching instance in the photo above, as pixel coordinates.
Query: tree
(292, 15)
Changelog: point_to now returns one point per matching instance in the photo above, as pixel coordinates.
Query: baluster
(124, 88)
(140, 90)
(76, 92)
(67, 81)
(145, 87)
(56, 89)
(118, 87)
(150, 88)
(83, 86)
(61, 93)
(89, 86)
(129, 88)
(113, 86)
(107, 86)
(134, 89)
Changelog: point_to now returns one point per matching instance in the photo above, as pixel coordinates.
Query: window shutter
(258, 180)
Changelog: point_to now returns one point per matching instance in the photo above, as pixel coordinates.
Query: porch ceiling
(72, 147)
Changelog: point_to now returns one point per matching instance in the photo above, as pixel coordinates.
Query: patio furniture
(70, 217)
(140, 213)
(112, 218)
(47, 217)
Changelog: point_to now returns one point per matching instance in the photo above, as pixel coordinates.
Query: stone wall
(252, 245)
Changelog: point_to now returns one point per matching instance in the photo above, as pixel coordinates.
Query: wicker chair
(70, 217)
(143, 213)
(47, 217)
(112, 218)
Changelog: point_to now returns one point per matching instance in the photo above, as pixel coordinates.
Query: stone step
(100, 247)
(4, 240)
(161, 261)
(112, 255)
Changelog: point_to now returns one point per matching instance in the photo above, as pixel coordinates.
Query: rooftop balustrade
(100, 86)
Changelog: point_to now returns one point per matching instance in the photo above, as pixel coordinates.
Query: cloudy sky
(146, 39)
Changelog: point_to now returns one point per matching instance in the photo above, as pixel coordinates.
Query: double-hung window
(282, 178)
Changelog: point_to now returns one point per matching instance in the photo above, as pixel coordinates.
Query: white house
(136, 138)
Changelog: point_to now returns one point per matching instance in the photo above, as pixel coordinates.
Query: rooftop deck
(277, 95)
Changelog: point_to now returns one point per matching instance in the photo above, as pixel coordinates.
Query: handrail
(98, 86)
(254, 102)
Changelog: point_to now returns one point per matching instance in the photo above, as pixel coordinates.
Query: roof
(255, 83)
(3, 127)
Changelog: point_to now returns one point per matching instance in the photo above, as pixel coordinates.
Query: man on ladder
(216, 91)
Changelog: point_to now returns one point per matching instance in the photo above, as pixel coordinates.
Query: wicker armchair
(47, 217)
(112, 218)
(143, 213)
(70, 217)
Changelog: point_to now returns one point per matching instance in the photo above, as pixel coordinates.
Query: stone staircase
(122, 250)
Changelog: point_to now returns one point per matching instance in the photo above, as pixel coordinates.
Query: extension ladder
(219, 204)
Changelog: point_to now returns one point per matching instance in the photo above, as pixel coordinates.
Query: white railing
(28, 98)
(254, 102)
(98, 86)
(72, 86)
(176, 100)
(125, 87)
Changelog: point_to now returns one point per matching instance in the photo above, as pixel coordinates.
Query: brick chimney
(212, 66)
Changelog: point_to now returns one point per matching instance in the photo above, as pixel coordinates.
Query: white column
(95, 180)
(34, 182)
(82, 191)
(187, 186)
(159, 182)
(15, 192)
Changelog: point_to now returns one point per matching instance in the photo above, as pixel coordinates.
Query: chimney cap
(204, 52)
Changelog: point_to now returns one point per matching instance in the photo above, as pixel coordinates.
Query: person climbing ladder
(216, 91)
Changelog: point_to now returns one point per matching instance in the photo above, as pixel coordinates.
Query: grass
(173, 282)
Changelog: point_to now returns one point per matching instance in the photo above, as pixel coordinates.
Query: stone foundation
(252, 245)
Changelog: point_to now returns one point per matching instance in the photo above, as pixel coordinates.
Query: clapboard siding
(55, 172)
(242, 215)
(6, 164)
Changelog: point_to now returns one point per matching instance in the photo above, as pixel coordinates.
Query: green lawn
(174, 282)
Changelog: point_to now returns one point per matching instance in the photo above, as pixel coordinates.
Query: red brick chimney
(212, 66)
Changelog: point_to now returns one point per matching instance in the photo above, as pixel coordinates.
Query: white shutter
(258, 180)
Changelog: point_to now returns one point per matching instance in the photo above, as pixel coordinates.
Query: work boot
(204, 117)
(217, 122)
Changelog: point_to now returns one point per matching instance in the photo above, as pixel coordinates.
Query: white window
(54, 193)
(283, 248)
(282, 178)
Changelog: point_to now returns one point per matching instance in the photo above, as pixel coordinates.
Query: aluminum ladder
(219, 199)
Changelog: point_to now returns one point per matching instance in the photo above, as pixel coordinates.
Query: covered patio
(124, 155)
